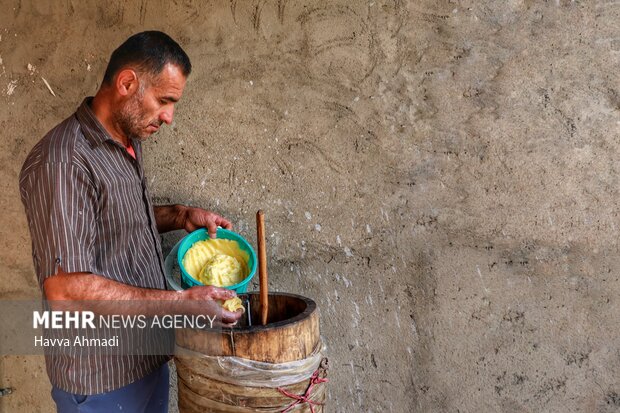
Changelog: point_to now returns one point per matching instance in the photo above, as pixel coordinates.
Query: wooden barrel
(291, 334)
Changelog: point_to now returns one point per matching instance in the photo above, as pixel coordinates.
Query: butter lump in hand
(221, 270)
(233, 304)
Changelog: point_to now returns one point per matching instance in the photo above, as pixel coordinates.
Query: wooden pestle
(262, 266)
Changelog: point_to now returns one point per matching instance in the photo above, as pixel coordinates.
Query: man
(95, 233)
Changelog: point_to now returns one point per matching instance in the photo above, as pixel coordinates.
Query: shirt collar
(91, 127)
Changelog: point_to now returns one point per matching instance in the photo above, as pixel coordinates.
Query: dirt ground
(439, 176)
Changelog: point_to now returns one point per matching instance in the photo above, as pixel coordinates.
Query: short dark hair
(149, 51)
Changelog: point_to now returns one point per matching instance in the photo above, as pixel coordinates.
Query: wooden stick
(262, 266)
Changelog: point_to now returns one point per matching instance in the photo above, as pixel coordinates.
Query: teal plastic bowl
(202, 234)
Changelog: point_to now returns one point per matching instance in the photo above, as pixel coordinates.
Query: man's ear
(126, 82)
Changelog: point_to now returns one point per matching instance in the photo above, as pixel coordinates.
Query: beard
(131, 117)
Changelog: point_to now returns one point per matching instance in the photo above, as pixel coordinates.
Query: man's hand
(201, 300)
(173, 217)
(197, 218)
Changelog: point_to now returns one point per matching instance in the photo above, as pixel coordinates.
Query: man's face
(152, 104)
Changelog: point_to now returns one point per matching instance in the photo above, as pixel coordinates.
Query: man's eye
(162, 101)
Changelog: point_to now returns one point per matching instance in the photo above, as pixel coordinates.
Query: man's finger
(222, 294)
(224, 223)
(229, 317)
(212, 228)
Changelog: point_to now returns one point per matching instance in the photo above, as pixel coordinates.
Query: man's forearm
(108, 296)
(80, 291)
(170, 217)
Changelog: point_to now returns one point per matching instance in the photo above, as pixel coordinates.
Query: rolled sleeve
(60, 201)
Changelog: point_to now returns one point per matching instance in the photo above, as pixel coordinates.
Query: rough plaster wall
(439, 176)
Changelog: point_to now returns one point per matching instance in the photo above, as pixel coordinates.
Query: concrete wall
(440, 176)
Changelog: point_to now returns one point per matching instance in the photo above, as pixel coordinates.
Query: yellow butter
(233, 304)
(201, 252)
(221, 270)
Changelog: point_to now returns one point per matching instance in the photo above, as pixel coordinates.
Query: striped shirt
(89, 210)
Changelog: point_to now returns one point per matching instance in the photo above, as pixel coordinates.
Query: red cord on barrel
(304, 398)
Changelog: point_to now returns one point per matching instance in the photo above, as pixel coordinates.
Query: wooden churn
(277, 367)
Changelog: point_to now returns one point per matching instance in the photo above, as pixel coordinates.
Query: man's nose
(167, 116)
